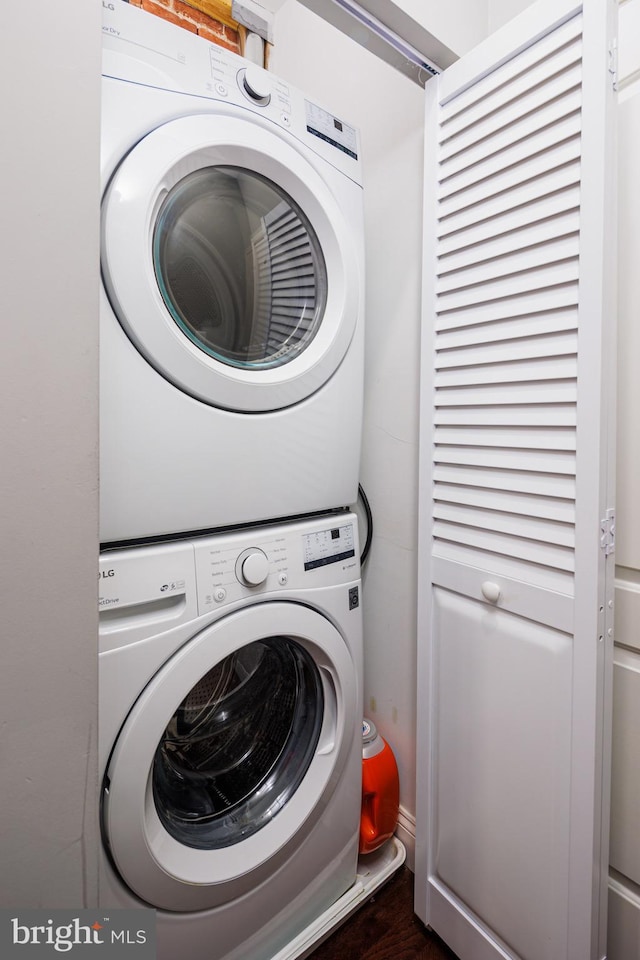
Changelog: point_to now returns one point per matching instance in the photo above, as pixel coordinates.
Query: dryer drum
(239, 744)
(260, 278)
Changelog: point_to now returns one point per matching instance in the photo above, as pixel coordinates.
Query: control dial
(256, 83)
(252, 567)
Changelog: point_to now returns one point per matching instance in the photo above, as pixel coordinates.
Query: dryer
(230, 712)
(231, 338)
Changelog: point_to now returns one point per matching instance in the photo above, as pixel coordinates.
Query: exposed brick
(154, 7)
(219, 38)
(184, 11)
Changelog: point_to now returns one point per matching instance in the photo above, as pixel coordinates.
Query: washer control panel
(299, 555)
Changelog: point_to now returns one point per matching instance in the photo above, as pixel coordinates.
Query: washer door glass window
(239, 744)
(239, 267)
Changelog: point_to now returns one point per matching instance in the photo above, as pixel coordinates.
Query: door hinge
(613, 63)
(608, 533)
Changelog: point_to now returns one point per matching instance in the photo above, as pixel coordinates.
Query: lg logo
(108, 6)
(103, 574)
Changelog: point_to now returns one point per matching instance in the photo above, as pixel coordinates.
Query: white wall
(48, 508)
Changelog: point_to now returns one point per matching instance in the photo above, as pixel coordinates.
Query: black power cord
(369, 518)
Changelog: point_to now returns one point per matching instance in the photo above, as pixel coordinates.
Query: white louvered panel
(563, 130)
(516, 525)
(542, 485)
(523, 62)
(519, 87)
(555, 391)
(528, 505)
(539, 301)
(516, 371)
(542, 414)
(504, 176)
(540, 255)
(511, 329)
(549, 555)
(500, 350)
(512, 199)
(467, 234)
(534, 461)
(527, 438)
(522, 283)
(505, 350)
(564, 105)
(501, 118)
(537, 233)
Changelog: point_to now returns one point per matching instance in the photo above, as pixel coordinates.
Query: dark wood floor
(385, 928)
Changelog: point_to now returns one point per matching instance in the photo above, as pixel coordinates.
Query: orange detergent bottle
(380, 790)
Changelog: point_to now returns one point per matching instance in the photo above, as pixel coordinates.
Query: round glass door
(228, 261)
(239, 744)
(239, 267)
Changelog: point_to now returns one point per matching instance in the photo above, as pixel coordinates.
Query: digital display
(328, 546)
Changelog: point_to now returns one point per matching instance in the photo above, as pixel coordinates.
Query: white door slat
(514, 371)
(558, 415)
(559, 344)
(534, 438)
(533, 461)
(566, 105)
(534, 103)
(543, 485)
(516, 87)
(567, 128)
(539, 301)
(543, 208)
(509, 501)
(454, 100)
(541, 255)
(537, 529)
(526, 237)
(552, 391)
(505, 179)
(512, 329)
(515, 198)
(560, 558)
(550, 275)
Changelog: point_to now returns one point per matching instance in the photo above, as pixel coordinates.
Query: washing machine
(230, 711)
(231, 339)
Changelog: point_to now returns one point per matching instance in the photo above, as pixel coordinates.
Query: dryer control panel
(144, 49)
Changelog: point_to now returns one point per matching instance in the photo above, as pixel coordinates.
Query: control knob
(252, 567)
(257, 84)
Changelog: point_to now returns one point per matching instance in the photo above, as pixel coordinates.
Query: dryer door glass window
(239, 744)
(239, 267)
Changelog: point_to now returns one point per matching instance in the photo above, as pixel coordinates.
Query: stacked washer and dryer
(231, 407)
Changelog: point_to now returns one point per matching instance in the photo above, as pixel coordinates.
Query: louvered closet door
(514, 653)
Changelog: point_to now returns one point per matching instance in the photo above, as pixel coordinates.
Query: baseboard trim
(406, 833)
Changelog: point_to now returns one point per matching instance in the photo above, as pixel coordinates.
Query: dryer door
(229, 755)
(229, 263)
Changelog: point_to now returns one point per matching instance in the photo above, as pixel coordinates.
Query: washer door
(229, 264)
(230, 756)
